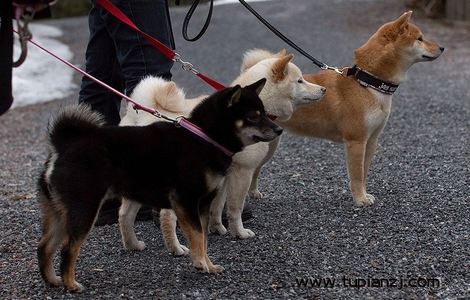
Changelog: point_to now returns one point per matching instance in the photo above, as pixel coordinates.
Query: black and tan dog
(159, 165)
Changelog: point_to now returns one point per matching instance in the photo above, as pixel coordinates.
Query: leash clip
(336, 69)
(187, 66)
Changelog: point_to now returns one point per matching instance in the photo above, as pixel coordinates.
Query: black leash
(188, 17)
(261, 19)
(284, 38)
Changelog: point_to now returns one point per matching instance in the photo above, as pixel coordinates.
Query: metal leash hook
(336, 69)
(187, 66)
(23, 17)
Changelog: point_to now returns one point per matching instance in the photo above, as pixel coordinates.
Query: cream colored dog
(284, 91)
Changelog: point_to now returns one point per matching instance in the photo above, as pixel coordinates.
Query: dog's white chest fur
(378, 116)
(251, 156)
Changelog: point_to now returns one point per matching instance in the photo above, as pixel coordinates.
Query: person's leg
(137, 57)
(102, 63)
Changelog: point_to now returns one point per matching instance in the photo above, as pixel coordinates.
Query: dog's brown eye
(420, 39)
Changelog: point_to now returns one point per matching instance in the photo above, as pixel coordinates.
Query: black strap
(188, 17)
(6, 55)
(369, 80)
(282, 36)
(259, 17)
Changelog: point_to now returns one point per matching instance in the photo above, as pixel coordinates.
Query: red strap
(215, 84)
(169, 53)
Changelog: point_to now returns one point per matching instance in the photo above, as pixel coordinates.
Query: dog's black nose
(323, 90)
(278, 130)
(442, 49)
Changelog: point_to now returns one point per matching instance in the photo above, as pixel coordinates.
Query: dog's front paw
(216, 269)
(256, 194)
(54, 281)
(201, 265)
(364, 201)
(179, 250)
(138, 246)
(243, 234)
(371, 198)
(217, 229)
(75, 287)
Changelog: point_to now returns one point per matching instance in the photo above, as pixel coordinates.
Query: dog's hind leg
(127, 213)
(216, 210)
(204, 211)
(355, 155)
(53, 236)
(238, 181)
(69, 256)
(168, 227)
(77, 229)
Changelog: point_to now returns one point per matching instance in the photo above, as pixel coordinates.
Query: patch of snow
(223, 2)
(41, 77)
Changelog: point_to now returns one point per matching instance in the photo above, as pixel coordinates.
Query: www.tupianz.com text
(370, 282)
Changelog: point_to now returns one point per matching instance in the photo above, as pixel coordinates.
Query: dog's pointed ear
(257, 86)
(402, 22)
(280, 67)
(281, 53)
(236, 93)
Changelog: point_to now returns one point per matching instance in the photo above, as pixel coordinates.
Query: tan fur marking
(196, 240)
(281, 53)
(279, 69)
(69, 275)
(52, 238)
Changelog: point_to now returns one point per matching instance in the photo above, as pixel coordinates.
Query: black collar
(366, 79)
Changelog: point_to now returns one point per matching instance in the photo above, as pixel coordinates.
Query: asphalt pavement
(418, 232)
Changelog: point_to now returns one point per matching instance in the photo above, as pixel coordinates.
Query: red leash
(136, 104)
(112, 9)
(181, 121)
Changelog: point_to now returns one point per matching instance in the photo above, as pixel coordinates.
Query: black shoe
(109, 213)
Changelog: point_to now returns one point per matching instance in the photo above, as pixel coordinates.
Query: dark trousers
(120, 56)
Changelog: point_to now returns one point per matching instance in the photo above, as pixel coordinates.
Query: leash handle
(262, 20)
(188, 17)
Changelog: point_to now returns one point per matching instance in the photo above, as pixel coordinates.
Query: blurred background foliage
(70, 8)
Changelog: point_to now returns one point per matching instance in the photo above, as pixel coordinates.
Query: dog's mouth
(257, 138)
(308, 99)
(430, 58)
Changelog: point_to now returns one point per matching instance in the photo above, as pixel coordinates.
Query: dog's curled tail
(157, 93)
(71, 122)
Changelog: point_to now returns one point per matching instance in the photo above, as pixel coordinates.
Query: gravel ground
(307, 226)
